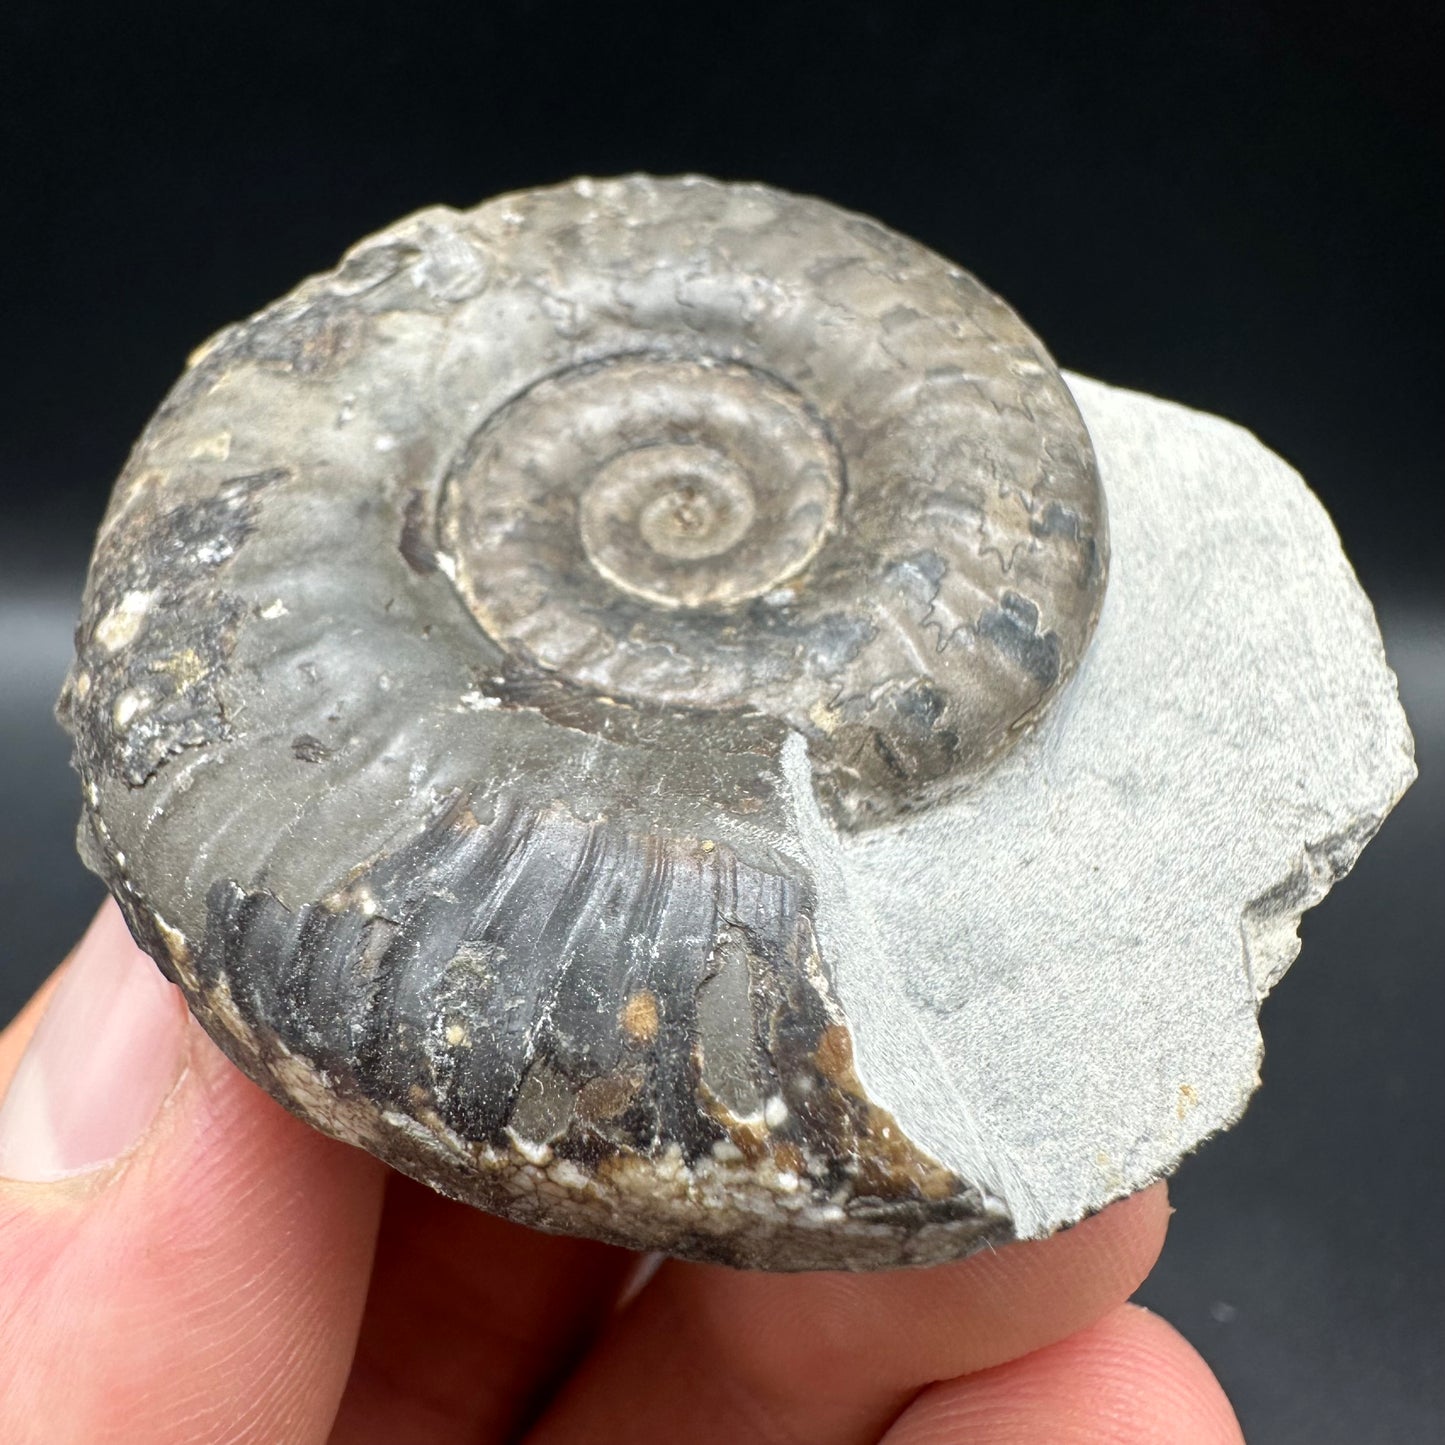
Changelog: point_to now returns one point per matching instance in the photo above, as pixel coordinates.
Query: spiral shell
(488, 643)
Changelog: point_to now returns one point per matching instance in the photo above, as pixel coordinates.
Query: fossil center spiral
(651, 511)
(685, 483)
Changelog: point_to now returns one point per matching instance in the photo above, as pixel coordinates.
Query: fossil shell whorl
(759, 453)
(487, 644)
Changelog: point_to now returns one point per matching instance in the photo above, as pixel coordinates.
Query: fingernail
(106, 1053)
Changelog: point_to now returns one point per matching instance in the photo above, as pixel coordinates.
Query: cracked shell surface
(593, 700)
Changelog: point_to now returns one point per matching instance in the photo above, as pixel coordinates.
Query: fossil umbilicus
(611, 702)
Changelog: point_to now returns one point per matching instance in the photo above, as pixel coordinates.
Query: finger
(1129, 1380)
(181, 1260)
(714, 1355)
(470, 1322)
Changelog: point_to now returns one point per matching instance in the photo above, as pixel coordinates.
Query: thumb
(180, 1260)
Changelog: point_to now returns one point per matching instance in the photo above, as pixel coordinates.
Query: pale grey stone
(1074, 1009)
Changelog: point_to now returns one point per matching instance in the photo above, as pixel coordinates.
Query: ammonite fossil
(603, 701)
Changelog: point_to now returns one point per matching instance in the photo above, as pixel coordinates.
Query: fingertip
(928, 1324)
(1130, 1379)
(1044, 1290)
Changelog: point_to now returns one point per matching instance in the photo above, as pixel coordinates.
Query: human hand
(182, 1263)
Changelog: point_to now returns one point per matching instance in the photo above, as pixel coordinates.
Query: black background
(1228, 204)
